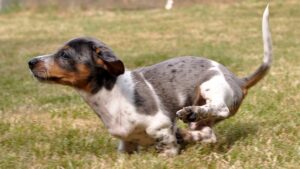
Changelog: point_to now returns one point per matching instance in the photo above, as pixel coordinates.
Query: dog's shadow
(229, 134)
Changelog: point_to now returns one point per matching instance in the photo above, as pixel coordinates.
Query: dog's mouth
(47, 79)
(43, 76)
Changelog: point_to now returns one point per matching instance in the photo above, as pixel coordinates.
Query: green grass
(49, 126)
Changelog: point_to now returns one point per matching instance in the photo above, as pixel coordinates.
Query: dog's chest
(117, 110)
(123, 121)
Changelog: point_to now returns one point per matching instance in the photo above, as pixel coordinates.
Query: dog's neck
(100, 79)
(121, 87)
(108, 85)
(107, 103)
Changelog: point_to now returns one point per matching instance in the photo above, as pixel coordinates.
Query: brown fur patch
(256, 76)
(66, 47)
(198, 99)
(40, 70)
(101, 63)
(97, 50)
(185, 135)
(76, 79)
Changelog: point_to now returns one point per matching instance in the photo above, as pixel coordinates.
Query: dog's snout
(32, 63)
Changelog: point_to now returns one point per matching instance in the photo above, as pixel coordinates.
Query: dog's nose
(32, 63)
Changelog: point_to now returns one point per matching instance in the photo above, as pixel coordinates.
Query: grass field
(49, 126)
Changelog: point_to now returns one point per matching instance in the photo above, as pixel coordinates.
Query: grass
(49, 126)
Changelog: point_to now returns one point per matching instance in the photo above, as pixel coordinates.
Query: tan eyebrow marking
(66, 47)
(97, 50)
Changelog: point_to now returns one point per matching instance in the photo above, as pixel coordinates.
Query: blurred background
(102, 4)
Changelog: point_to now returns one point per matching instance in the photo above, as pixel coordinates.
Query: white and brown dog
(140, 107)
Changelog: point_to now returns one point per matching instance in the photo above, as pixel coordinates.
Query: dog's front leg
(127, 147)
(166, 142)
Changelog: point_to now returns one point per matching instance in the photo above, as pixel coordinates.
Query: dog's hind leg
(204, 135)
(218, 96)
(208, 111)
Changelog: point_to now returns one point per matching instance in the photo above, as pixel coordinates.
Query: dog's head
(84, 63)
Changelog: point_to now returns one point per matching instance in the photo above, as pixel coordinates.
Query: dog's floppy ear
(105, 57)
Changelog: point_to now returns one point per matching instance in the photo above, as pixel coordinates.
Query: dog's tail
(262, 70)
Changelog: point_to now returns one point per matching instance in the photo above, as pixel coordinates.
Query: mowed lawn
(50, 126)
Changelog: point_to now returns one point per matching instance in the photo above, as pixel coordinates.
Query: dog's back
(176, 81)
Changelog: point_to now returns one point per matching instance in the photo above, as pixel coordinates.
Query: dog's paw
(187, 114)
(171, 152)
(205, 135)
(208, 135)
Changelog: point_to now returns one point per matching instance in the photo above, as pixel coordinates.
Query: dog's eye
(63, 55)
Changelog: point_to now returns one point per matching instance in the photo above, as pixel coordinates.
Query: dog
(140, 107)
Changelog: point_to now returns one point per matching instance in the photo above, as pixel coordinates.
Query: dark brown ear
(116, 67)
(107, 59)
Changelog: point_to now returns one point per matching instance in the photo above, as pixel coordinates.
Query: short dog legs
(166, 141)
(204, 135)
(208, 113)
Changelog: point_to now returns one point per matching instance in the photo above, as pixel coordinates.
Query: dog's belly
(129, 125)
(132, 130)
(139, 136)
(139, 128)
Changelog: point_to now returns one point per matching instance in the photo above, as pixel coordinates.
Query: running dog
(140, 107)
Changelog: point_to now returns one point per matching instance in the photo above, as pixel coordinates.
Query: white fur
(267, 40)
(217, 92)
(205, 135)
(181, 98)
(48, 61)
(121, 117)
